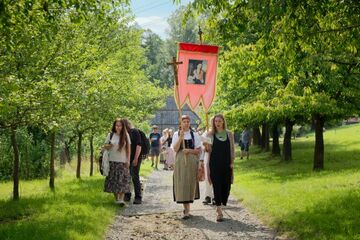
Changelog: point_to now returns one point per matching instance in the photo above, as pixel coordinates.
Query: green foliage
(70, 67)
(301, 203)
(34, 151)
(79, 209)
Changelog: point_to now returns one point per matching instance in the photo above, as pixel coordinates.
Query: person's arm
(232, 149)
(128, 150)
(197, 146)
(107, 144)
(138, 148)
(195, 151)
(150, 138)
(177, 140)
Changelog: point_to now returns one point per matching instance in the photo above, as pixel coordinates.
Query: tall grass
(299, 202)
(78, 209)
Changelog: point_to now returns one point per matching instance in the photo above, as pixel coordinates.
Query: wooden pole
(175, 64)
(207, 120)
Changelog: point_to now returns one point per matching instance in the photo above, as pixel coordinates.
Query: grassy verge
(78, 209)
(305, 204)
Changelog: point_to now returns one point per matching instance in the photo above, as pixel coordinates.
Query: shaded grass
(305, 204)
(78, 209)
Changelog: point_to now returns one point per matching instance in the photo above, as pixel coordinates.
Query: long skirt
(185, 184)
(118, 179)
(170, 156)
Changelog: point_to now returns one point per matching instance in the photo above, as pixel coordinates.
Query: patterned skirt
(118, 179)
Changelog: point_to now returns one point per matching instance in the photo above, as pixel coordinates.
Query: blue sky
(153, 14)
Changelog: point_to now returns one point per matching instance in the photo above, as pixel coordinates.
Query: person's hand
(135, 163)
(181, 134)
(201, 164)
(186, 151)
(231, 165)
(127, 164)
(108, 146)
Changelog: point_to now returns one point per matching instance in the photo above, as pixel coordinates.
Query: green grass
(78, 209)
(298, 202)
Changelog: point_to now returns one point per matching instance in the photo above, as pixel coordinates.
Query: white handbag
(105, 163)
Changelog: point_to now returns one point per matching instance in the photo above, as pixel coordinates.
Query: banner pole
(207, 120)
(175, 64)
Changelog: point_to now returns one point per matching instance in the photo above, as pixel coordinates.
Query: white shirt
(187, 136)
(114, 154)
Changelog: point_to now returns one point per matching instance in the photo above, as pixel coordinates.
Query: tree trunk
(256, 136)
(91, 155)
(287, 156)
(27, 159)
(265, 138)
(78, 168)
(319, 143)
(67, 151)
(16, 164)
(275, 136)
(52, 161)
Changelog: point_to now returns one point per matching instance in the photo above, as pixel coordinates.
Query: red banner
(197, 75)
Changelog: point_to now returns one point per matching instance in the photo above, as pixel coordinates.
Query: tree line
(285, 62)
(68, 69)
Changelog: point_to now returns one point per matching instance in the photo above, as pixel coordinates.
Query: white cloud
(156, 24)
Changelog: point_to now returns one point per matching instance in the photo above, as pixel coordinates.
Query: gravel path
(160, 218)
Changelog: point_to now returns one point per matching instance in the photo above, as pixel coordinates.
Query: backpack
(145, 144)
(101, 156)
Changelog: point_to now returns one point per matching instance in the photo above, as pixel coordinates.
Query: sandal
(186, 216)
(219, 217)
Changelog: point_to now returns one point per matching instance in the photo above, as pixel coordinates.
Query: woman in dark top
(221, 162)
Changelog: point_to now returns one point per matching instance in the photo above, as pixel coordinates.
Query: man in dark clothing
(155, 146)
(135, 162)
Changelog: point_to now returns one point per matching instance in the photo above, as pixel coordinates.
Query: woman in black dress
(221, 162)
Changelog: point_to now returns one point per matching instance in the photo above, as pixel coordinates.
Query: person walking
(155, 146)
(187, 145)
(245, 142)
(135, 162)
(221, 164)
(209, 195)
(118, 144)
(170, 158)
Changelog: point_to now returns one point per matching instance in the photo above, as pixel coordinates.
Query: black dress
(220, 171)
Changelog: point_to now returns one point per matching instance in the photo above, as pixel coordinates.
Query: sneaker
(137, 201)
(120, 202)
(127, 197)
(207, 201)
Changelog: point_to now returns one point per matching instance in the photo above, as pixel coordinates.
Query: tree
(315, 54)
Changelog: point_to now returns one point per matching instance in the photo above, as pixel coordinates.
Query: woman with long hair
(221, 162)
(187, 145)
(118, 145)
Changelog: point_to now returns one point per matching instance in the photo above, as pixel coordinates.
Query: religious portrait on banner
(196, 75)
(197, 71)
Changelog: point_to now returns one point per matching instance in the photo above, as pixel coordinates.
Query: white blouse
(187, 136)
(114, 154)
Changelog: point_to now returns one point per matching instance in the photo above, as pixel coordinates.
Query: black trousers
(134, 171)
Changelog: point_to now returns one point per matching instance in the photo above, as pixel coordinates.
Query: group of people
(189, 154)
(161, 146)
(123, 144)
